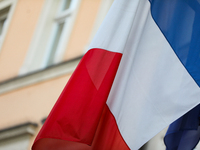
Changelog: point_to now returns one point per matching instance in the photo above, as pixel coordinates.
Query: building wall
(28, 88)
(18, 37)
(28, 98)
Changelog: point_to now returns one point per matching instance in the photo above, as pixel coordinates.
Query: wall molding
(39, 76)
(26, 128)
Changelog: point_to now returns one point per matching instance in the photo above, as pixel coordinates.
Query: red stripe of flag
(78, 111)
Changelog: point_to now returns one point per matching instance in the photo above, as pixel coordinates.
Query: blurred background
(41, 43)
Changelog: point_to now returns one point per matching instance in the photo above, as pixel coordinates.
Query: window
(61, 24)
(3, 18)
(51, 35)
(6, 11)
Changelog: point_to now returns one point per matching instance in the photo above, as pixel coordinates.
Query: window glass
(3, 18)
(66, 4)
(61, 21)
(55, 42)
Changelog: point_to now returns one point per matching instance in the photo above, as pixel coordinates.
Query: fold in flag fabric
(184, 133)
(140, 73)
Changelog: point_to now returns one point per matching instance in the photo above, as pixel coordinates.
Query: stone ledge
(26, 128)
(39, 76)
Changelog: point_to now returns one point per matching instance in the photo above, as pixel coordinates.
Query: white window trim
(12, 5)
(38, 33)
(36, 38)
(64, 17)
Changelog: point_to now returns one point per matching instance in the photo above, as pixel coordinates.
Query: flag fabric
(184, 133)
(140, 73)
(181, 29)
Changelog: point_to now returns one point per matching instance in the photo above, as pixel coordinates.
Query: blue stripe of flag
(179, 21)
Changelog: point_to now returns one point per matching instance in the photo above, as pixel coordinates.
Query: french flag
(140, 74)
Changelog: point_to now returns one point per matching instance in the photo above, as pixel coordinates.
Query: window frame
(67, 18)
(4, 4)
(42, 49)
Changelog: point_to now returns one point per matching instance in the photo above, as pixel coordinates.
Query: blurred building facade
(41, 43)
